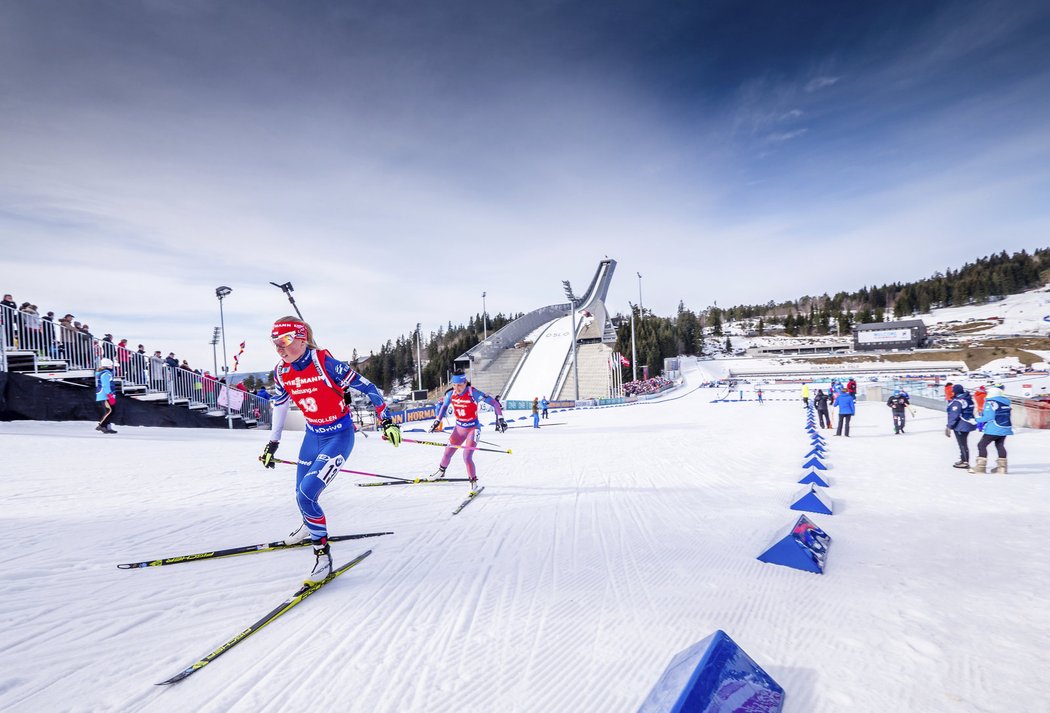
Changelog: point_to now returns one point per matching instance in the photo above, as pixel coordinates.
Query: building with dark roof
(877, 336)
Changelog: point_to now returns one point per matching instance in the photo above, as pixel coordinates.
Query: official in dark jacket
(961, 422)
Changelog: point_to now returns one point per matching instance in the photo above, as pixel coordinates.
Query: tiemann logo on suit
(299, 381)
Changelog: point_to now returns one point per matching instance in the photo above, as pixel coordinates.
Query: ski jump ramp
(543, 338)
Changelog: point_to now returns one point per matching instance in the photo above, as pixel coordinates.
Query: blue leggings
(320, 458)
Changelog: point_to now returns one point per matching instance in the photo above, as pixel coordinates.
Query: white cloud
(818, 83)
(786, 135)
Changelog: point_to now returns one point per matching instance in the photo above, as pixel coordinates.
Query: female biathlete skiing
(318, 384)
(464, 400)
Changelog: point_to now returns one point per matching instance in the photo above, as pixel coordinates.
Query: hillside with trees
(657, 338)
(396, 361)
(983, 280)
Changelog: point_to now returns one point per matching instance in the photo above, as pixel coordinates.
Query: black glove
(347, 398)
(501, 425)
(391, 431)
(267, 454)
(437, 426)
(947, 433)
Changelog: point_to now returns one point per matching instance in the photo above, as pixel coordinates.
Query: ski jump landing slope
(538, 375)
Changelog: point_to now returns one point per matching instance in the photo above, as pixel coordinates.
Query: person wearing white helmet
(997, 426)
(105, 395)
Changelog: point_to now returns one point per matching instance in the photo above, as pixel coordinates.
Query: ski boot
(298, 535)
(438, 474)
(981, 467)
(322, 566)
(473, 485)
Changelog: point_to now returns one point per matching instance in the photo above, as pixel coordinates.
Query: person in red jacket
(318, 383)
(979, 395)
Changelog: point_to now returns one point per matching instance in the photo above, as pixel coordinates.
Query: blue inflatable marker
(815, 451)
(812, 500)
(714, 676)
(814, 462)
(805, 547)
(813, 478)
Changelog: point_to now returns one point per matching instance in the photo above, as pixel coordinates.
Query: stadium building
(878, 336)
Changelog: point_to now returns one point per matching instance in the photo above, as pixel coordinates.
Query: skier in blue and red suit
(464, 400)
(318, 383)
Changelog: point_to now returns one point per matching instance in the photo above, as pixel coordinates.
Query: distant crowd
(646, 386)
(24, 328)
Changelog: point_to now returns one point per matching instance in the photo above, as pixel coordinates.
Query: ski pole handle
(451, 445)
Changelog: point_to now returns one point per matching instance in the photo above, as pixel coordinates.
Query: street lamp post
(419, 366)
(485, 315)
(572, 305)
(634, 352)
(222, 292)
(641, 314)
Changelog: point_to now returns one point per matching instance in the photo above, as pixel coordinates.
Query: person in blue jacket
(997, 426)
(961, 423)
(105, 396)
(545, 404)
(834, 390)
(847, 406)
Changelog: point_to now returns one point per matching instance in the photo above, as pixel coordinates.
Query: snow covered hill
(1027, 313)
(598, 550)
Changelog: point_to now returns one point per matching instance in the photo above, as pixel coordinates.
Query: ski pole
(345, 470)
(450, 445)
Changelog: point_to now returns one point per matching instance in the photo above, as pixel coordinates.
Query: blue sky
(394, 160)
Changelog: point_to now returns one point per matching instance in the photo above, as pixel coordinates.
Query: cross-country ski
(302, 593)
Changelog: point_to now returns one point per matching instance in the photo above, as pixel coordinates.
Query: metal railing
(60, 347)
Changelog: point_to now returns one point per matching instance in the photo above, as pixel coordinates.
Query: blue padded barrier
(812, 478)
(812, 499)
(814, 462)
(714, 676)
(805, 547)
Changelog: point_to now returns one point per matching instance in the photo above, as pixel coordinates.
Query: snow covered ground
(1024, 313)
(598, 550)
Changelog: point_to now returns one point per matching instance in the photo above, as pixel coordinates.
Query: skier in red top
(317, 382)
(464, 400)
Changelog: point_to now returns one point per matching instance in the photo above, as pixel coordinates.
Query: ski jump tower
(532, 356)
